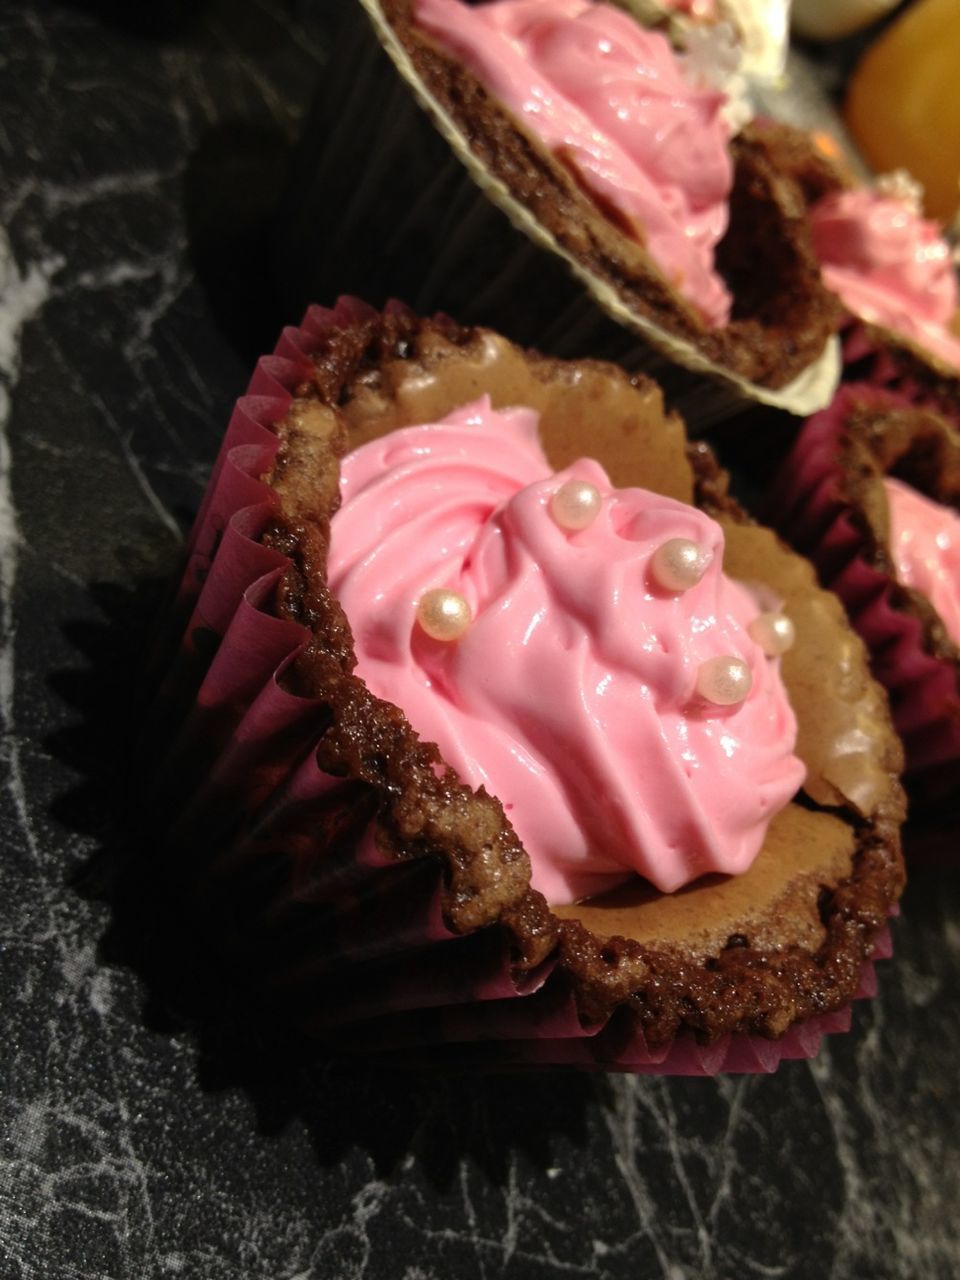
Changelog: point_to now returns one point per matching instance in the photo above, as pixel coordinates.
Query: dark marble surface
(140, 146)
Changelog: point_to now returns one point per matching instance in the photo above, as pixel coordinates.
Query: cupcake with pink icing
(555, 169)
(488, 747)
(892, 269)
(890, 266)
(896, 276)
(871, 492)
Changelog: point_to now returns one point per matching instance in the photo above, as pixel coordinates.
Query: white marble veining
(130, 1148)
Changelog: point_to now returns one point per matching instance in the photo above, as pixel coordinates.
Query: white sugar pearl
(773, 632)
(724, 681)
(679, 564)
(443, 615)
(575, 505)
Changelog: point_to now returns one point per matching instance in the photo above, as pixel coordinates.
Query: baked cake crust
(769, 972)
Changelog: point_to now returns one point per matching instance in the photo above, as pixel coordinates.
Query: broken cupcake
(615, 211)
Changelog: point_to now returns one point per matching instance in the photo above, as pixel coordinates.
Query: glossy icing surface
(572, 694)
(889, 265)
(612, 101)
(925, 545)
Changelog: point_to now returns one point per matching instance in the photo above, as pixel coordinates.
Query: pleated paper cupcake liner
(545, 1030)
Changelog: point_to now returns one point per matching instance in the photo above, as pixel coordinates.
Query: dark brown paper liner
(301, 899)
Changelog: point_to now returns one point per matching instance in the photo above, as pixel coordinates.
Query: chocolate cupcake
(685, 257)
(870, 493)
(892, 269)
(352, 869)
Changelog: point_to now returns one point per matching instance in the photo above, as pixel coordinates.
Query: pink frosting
(925, 544)
(889, 266)
(611, 99)
(572, 695)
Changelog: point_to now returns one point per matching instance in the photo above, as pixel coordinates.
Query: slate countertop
(140, 147)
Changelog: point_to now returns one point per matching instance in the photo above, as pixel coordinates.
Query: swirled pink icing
(571, 697)
(611, 99)
(889, 265)
(925, 545)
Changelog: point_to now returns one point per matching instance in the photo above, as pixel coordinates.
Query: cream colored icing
(889, 266)
(610, 98)
(571, 696)
(925, 545)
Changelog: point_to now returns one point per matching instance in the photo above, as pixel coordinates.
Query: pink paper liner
(870, 360)
(281, 862)
(806, 506)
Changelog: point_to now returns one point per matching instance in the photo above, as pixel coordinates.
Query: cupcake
(589, 231)
(892, 269)
(871, 493)
(625, 851)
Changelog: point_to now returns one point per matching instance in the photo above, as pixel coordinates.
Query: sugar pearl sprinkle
(575, 505)
(773, 632)
(679, 564)
(724, 681)
(443, 615)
